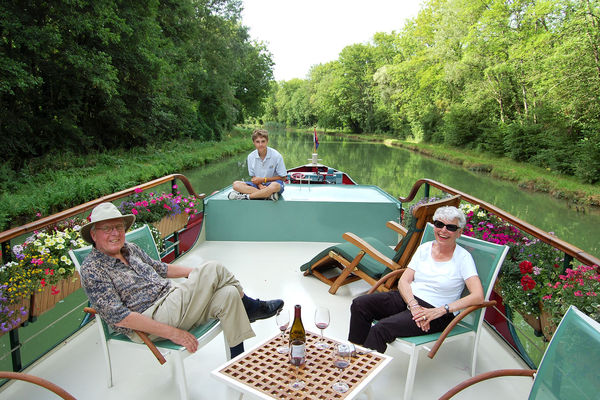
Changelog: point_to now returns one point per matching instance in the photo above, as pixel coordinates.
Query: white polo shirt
(271, 166)
(440, 283)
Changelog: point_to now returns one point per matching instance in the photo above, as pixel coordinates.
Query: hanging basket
(533, 321)
(45, 300)
(168, 225)
(25, 303)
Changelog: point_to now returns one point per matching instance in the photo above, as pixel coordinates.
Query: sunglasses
(450, 227)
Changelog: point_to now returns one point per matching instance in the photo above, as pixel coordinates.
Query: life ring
(297, 176)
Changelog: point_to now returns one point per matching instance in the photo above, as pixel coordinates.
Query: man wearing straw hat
(131, 291)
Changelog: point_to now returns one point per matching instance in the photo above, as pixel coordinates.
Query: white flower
(481, 214)
(60, 247)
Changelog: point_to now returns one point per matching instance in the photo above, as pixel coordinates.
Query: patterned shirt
(116, 289)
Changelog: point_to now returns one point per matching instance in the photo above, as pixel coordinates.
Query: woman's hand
(423, 316)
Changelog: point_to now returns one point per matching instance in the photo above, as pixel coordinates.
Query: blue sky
(302, 33)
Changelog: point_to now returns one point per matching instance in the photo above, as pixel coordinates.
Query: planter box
(548, 326)
(25, 303)
(168, 225)
(45, 300)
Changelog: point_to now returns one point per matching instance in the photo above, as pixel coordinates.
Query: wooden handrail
(544, 236)
(55, 218)
(485, 376)
(37, 381)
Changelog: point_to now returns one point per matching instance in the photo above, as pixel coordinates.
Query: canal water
(396, 170)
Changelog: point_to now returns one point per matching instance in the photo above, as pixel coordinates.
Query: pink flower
(174, 186)
(592, 294)
(547, 297)
(578, 293)
(134, 211)
(138, 190)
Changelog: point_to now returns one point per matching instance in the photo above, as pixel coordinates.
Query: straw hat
(103, 212)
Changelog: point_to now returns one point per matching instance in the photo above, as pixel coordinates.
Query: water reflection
(395, 170)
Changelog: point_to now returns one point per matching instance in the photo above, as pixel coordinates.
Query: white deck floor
(267, 270)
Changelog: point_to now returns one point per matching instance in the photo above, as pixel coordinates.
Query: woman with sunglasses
(429, 291)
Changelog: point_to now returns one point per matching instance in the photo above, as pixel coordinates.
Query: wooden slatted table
(266, 374)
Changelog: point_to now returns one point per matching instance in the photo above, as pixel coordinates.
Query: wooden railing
(568, 249)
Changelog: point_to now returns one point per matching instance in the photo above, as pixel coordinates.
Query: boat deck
(267, 270)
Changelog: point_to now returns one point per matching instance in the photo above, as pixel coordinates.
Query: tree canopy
(92, 75)
(519, 78)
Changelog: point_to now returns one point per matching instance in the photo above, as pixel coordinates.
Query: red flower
(54, 290)
(526, 267)
(527, 283)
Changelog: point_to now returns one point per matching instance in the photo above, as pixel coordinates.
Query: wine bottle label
(298, 350)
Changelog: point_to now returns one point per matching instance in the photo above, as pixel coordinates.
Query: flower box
(171, 224)
(52, 294)
(16, 307)
(548, 326)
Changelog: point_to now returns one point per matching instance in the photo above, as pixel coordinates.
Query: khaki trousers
(210, 292)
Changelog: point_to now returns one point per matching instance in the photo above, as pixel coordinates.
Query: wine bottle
(297, 339)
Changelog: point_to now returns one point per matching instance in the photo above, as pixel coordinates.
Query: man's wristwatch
(447, 307)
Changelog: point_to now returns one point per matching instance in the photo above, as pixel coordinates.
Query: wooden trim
(55, 218)
(485, 376)
(545, 237)
(37, 381)
(455, 322)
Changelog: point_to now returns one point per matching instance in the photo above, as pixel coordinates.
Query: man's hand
(184, 338)
(257, 180)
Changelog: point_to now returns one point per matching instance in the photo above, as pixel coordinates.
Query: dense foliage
(84, 76)
(513, 78)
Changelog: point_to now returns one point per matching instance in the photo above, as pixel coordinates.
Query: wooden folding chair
(370, 259)
(204, 333)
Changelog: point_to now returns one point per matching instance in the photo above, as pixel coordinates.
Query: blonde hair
(260, 133)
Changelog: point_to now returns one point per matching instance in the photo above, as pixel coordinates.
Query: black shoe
(265, 309)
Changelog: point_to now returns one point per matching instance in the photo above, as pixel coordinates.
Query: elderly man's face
(109, 236)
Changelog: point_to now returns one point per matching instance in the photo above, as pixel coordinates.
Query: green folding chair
(161, 348)
(488, 259)
(569, 367)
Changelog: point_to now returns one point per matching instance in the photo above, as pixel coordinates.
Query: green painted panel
(319, 213)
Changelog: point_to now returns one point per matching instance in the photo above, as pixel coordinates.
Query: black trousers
(393, 320)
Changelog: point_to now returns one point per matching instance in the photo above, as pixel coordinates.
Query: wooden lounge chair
(568, 369)
(488, 259)
(204, 333)
(370, 259)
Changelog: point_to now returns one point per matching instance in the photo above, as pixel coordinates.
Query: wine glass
(341, 360)
(322, 322)
(297, 358)
(283, 321)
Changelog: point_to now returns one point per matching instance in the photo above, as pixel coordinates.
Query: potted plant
(579, 286)
(168, 212)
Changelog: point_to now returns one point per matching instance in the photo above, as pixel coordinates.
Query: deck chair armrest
(485, 376)
(396, 227)
(144, 336)
(370, 250)
(454, 322)
(37, 381)
(384, 279)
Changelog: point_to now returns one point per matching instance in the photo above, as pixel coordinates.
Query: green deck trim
(319, 213)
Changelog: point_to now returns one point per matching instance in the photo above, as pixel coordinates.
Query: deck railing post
(15, 348)
(6, 252)
(426, 190)
(175, 234)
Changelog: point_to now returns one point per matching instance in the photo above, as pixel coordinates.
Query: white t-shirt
(271, 166)
(440, 283)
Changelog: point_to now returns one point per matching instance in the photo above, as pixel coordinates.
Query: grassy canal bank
(59, 181)
(526, 176)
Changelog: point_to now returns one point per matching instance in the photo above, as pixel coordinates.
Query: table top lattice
(267, 371)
